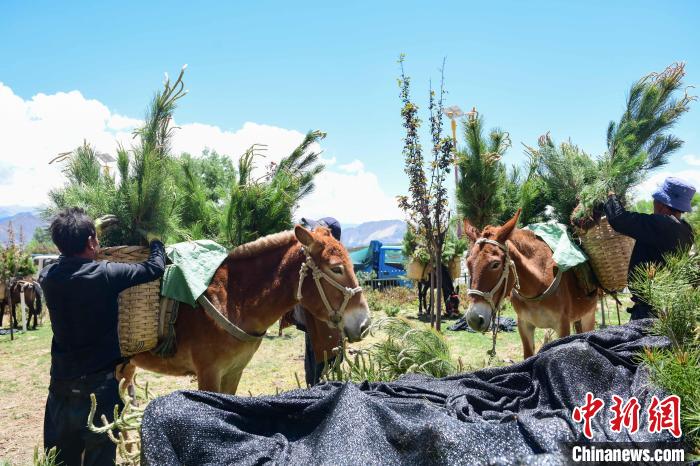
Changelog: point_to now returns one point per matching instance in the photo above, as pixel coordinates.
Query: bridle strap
(503, 280)
(318, 274)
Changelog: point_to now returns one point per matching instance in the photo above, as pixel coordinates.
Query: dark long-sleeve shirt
(655, 234)
(82, 298)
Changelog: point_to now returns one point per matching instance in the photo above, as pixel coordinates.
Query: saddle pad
(565, 252)
(193, 264)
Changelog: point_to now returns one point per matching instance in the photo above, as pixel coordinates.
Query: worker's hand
(148, 235)
(104, 223)
(611, 193)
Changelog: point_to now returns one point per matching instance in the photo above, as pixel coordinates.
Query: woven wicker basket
(455, 268)
(138, 306)
(417, 271)
(609, 252)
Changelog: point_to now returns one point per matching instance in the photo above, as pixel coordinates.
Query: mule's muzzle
(355, 323)
(479, 316)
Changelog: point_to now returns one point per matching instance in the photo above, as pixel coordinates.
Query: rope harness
(318, 274)
(503, 281)
(510, 265)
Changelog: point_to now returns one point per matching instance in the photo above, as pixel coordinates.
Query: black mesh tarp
(520, 414)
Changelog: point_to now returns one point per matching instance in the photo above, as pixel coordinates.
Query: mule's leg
(564, 327)
(13, 320)
(209, 380)
(527, 336)
(30, 308)
(229, 382)
(421, 297)
(588, 321)
(577, 327)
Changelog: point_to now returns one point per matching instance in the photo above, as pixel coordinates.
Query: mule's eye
(495, 264)
(337, 269)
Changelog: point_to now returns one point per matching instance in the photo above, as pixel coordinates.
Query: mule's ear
(306, 237)
(471, 231)
(507, 229)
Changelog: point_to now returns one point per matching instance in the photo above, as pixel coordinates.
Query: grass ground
(24, 369)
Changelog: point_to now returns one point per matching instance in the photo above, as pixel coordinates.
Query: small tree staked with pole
(427, 202)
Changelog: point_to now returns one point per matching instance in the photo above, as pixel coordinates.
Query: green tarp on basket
(193, 266)
(565, 252)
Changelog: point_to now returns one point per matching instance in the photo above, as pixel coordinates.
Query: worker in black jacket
(82, 298)
(656, 234)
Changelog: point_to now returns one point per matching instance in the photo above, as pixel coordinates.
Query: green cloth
(566, 253)
(193, 266)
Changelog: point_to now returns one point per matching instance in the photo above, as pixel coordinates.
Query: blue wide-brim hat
(675, 193)
(329, 222)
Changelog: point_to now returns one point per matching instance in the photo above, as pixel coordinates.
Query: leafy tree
(185, 197)
(482, 182)
(426, 202)
(576, 184)
(258, 207)
(14, 260)
(41, 242)
(143, 199)
(512, 194)
(564, 170)
(639, 142)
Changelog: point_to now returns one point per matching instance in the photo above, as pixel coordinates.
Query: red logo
(626, 415)
(587, 412)
(665, 415)
(661, 414)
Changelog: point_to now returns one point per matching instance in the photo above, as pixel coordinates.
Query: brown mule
(508, 262)
(254, 287)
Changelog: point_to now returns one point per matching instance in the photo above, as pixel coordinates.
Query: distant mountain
(26, 221)
(386, 231)
(10, 210)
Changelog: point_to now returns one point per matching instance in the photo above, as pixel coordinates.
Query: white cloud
(279, 142)
(645, 190)
(356, 166)
(355, 196)
(692, 159)
(34, 131)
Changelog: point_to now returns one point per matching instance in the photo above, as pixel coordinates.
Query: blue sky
(529, 67)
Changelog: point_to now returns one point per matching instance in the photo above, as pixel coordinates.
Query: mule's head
(333, 261)
(489, 272)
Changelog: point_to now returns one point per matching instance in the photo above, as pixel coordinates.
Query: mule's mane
(525, 241)
(273, 241)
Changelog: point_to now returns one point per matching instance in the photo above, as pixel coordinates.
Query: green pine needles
(672, 291)
(184, 197)
(576, 184)
(481, 191)
(405, 350)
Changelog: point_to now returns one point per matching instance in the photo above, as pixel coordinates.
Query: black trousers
(640, 310)
(65, 419)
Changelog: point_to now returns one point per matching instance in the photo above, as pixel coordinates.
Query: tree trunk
(432, 299)
(438, 274)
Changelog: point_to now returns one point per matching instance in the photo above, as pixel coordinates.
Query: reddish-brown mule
(254, 287)
(493, 278)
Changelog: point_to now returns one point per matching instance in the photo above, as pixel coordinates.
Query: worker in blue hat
(656, 234)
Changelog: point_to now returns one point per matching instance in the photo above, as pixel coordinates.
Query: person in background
(82, 297)
(321, 340)
(655, 234)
